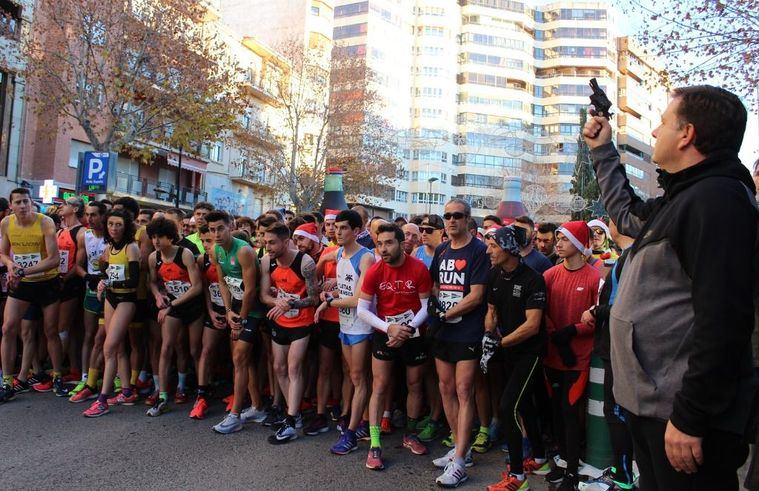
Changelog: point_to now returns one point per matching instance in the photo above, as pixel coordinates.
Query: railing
(159, 190)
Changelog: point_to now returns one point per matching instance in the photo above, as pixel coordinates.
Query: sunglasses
(599, 232)
(427, 230)
(455, 215)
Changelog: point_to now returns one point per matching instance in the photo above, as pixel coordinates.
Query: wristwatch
(329, 301)
(20, 273)
(290, 303)
(244, 323)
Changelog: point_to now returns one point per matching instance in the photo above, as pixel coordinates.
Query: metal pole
(179, 172)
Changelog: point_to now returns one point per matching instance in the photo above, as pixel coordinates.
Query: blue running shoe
(346, 444)
(362, 432)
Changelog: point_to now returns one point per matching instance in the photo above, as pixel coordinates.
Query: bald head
(374, 226)
(412, 237)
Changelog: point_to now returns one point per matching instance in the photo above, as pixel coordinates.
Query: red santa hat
(578, 234)
(331, 214)
(307, 230)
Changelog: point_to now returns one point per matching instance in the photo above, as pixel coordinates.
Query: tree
(133, 72)
(585, 190)
(704, 40)
(329, 119)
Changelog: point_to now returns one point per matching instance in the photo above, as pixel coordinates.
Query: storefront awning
(188, 163)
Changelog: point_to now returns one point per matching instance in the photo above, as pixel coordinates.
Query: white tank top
(347, 284)
(94, 247)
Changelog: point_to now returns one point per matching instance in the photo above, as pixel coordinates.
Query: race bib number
(27, 261)
(449, 299)
(64, 266)
(292, 313)
(403, 319)
(215, 292)
(235, 287)
(177, 288)
(116, 272)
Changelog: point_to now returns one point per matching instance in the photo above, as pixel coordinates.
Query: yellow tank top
(142, 285)
(118, 268)
(28, 247)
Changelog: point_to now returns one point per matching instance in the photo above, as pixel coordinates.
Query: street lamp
(429, 194)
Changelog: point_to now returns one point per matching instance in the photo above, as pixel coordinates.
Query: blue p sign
(95, 170)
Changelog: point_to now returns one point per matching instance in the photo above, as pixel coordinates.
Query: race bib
(403, 319)
(94, 260)
(215, 292)
(292, 313)
(64, 266)
(449, 299)
(27, 261)
(347, 315)
(235, 287)
(116, 272)
(177, 288)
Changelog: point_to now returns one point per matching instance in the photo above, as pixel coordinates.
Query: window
(352, 9)
(426, 176)
(348, 31)
(401, 196)
(488, 40)
(315, 10)
(634, 171)
(484, 160)
(477, 181)
(509, 5)
(432, 155)
(10, 19)
(429, 198)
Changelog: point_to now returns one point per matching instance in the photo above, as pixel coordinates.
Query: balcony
(251, 175)
(159, 192)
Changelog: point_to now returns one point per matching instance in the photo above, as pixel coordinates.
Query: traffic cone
(598, 452)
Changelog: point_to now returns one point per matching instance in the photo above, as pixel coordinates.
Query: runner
(121, 263)
(72, 288)
(352, 261)
(29, 250)
(572, 288)
(601, 242)
(329, 226)
(176, 283)
(532, 258)
(545, 241)
(199, 212)
(215, 323)
(177, 216)
(412, 237)
(514, 328)
(90, 249)
(292, 274)
(400, 285)
(432, 235)
(459, 271)
(237, 265)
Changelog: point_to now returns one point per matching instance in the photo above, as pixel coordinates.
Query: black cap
(434, 221)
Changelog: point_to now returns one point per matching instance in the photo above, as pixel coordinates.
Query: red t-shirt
(570, 293)
(397, 289)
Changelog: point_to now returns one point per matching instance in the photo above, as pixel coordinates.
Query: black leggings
(520, 374)
(621, 440)
(567, 394)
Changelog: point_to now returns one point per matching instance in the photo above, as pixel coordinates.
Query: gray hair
(464, 203)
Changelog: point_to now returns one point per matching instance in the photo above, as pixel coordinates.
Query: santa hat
(578, 234)
(331, 214)
(600, 224)
(307, 230)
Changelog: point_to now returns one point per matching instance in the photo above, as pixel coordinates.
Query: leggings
(519, 373)
(621, 440)
(567, 390)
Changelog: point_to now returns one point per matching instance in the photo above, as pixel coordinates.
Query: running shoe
(180, 397)
(252, 415)
(152, 399)
(59, 389)
(273, 416)
(143, 386)
(122, 400)
(334, 412)
(199, 408)
(79, 387)
(453, 476)
(398, 419)
(605, 482)
(362, 432)
(374, 459)
(83, 395)
(230, 424)
(43, 385)
(422, 423)
(385, 426)
(346, 444)
(21, 386)
(317, 425)
(299, 421)
(96, 410)
(441, 462)
(7, 393)
(158, 409)
(430, 431)
(555, 475)
(413, 443)
(531, 467)
(569, 483)
(36, 378)
(342, 423)
(72, 377)
(510, 483)
(449, 441)
(482, 442)
(286, 433)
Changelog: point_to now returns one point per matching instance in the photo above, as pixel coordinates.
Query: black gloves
(92, 281)
(433, 317)
(564, 335)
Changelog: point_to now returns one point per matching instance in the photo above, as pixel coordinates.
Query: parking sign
(94, 173)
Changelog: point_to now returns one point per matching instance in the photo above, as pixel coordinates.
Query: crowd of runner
(434, 326)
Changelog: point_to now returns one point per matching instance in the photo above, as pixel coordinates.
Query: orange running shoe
(510, 483)
(199, 409)
(385, 427)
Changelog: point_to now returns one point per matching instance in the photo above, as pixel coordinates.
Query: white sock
(540, 461)
(182, 381)
(386, 414)
(64, 335)
(518, 476)
(155, 382)
(84, 375)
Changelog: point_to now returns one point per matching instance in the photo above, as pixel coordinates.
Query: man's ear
(687, 136)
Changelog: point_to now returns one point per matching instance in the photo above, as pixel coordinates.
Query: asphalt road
(49, 445)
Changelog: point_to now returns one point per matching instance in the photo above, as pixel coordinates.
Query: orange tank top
(291, 285)
(67, 248)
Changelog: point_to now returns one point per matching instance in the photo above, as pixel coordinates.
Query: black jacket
(682, 321)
